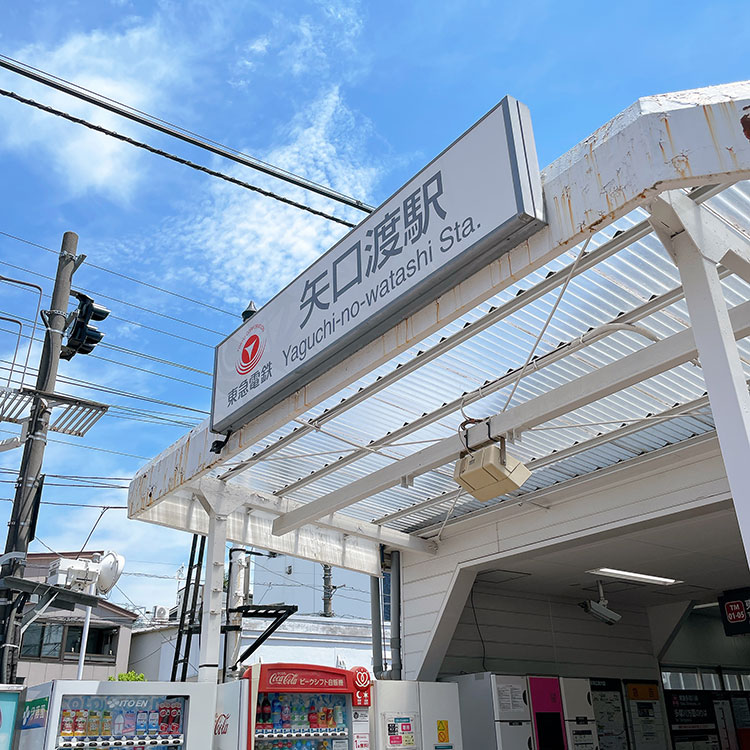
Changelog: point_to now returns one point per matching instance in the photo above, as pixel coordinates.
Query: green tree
(131, 676)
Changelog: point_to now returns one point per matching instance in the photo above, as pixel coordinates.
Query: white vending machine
(415, 716)
(495, 706)
(72, 714)
(578, 710)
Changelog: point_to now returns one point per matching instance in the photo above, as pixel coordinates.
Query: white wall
(527, 634)
(657, 486)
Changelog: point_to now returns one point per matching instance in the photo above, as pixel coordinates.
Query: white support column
(213, 589)
(208, 665)
(720, 362)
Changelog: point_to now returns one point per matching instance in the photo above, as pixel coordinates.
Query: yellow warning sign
(443, 731)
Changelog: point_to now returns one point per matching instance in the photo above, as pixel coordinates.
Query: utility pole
(328, 590)
(26, 501)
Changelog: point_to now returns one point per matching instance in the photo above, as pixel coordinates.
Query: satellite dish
(110, 570)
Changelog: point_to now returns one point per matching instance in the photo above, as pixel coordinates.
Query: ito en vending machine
(294, 707)
(72, 714)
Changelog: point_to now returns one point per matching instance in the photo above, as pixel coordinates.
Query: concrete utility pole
(328, 590)
(25, 502)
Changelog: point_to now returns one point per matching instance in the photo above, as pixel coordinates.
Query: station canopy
(571, 343)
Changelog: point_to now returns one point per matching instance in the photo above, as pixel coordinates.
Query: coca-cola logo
(361, 677)
(283, 678)
(221, 724)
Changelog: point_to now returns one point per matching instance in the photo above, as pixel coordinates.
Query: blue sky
(355, 95)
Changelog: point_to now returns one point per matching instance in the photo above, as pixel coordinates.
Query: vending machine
(578, 710)
(547, 713)
(294, 707)
(67, 714)
(495, 706)
(411, 715)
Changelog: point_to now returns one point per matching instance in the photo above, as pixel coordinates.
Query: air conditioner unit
(484, 475)
(161, 613)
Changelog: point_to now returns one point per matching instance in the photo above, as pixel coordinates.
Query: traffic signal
(84, 337)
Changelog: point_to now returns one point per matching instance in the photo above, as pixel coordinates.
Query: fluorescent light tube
(627, 575)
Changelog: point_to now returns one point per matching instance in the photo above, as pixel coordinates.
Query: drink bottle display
(276, 713)
(286, 713)
(101, 717)
(299, 714)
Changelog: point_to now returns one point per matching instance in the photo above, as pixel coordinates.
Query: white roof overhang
(329, 473)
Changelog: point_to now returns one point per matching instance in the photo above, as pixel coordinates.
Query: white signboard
(474, 202)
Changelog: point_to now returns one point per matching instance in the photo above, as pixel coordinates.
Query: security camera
(601, 612)
(599, 609)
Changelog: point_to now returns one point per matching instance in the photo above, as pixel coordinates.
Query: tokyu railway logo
(251, 350)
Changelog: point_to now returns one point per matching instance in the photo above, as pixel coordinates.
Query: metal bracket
(8, 556)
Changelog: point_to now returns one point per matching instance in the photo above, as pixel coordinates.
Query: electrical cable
(112, 316)
(72, 505)
(479, 632)
(114, 299)
(88, 447)
(131, 353)
(93, 529)
(163, 126)
(123, 276)
(173, 157)
(543, 329)
(117, 392)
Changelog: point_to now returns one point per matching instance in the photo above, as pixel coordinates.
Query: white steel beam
(717, 348)
(652, 360)
(606, 437)
(715, 239)
(625, 321)
(659, 143)
(589, 260)
(277, 506)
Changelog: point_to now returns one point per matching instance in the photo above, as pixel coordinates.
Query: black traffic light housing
(84, 337)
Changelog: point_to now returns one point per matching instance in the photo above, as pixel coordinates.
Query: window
(42, 641)
(32, 640)
(53, 642)
(682, 680)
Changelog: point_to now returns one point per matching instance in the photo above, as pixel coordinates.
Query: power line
(112, 105)
(124, 350)
(117, 392)
(114, 299)
(88, 447)
(124, 276)
(70, 505)
(173, 157)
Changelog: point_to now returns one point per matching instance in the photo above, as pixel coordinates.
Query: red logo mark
(221, 724)
(735, 611)
(361, 677)
(251, 350)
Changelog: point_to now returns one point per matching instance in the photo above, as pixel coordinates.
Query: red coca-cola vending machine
(294, 707)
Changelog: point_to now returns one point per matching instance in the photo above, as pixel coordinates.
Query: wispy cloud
(242, 245)
(136, 65)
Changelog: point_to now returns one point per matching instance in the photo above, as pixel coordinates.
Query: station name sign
(474, 202)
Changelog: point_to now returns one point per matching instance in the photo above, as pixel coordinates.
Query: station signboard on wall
(478, 199)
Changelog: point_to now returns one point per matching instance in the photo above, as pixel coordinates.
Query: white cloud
(135, 66)
(242, 245)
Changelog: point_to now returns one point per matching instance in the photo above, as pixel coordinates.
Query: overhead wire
(173, 157)
(175, 131)
(123, 276)
(123, 350)
(88, 447)
(72, 505)
(118, 392)
(114, 299)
